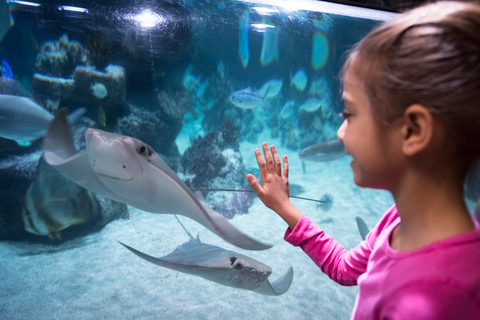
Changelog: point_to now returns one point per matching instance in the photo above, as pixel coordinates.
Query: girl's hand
(274, 191)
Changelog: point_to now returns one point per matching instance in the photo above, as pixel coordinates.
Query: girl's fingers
(254, 183)
(261, 163)
(268, 157)
(285, 167)
(276, 161)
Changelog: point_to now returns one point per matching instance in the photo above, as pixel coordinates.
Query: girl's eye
(344, 115)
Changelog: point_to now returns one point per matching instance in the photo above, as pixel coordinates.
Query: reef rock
(64, 72)
(153, 128)
(81, 87)
(60, 58)
(216, 163)
(231, 176)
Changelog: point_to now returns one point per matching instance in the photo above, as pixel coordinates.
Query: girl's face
(373, 147)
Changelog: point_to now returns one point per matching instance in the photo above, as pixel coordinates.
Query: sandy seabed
(96, 278)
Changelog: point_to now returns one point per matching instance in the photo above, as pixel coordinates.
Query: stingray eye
(144, 150)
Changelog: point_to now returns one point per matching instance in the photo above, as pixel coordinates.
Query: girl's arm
(339, 264)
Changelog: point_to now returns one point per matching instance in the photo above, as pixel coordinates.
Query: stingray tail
(277, 287)
(219, 225)
(189, 235)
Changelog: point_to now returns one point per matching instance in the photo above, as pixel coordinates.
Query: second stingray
(221, 266)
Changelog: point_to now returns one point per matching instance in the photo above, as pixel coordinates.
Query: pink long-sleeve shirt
(439, 281)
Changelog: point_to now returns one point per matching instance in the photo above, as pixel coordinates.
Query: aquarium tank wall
(126, 131)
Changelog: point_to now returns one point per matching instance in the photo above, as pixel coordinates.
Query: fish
(247, 98)
(362, 227)
(6, 19)
(98, 90)
(190, 82)
(243, 50)
(201, 88)
(6, 70)
(273, 87)
(325, 203)
(288, 110)
(311, 105)
(221, 68)
(22, 119)
(320, 88)
(12, 87)
(222, 266)
(324, 151)
(269, 51)
(299, 80)
(319, 51)
(129, 171)
(54, 203)
(101, 116)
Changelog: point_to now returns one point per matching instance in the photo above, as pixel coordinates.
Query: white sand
(96, 278)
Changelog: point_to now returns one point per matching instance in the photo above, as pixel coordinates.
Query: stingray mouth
(108, 156)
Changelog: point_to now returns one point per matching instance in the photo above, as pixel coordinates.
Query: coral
(176, 105)
(231, 176)
(228, 134)
(60, 58)
(152, 128)
(204, 159)
(217, 164)
(64, 72)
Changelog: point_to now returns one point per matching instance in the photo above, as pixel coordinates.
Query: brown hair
(430, 56)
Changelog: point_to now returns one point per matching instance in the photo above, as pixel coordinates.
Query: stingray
(225, 267)
(127, 170)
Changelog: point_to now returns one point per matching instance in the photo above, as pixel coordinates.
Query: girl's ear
(417, 130)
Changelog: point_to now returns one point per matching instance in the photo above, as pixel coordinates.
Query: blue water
(180, 63)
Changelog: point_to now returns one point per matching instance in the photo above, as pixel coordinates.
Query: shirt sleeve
(342, 266)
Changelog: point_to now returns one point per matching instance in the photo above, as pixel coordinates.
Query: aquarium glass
(115, 116)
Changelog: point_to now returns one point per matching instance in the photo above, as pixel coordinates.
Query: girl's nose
(341, 130)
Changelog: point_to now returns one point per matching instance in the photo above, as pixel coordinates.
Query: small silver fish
(247, 98)
(288, 110)
(299, 80)
(221, 69)
(324, 151)
(311, 105)
(201, 88)
(272, 86)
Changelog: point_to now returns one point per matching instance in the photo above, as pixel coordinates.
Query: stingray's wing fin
(145, 256)
(59, 152)
(227, 231)
(362, 227)
(277, 287)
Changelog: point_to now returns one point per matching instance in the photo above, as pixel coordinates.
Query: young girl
(412, 121)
